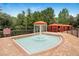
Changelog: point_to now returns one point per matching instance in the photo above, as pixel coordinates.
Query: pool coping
(27, 35)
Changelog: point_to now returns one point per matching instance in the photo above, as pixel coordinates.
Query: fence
(17, 32)
(74, 31)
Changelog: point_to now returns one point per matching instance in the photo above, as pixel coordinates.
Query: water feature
(40, 42)
(37, 43)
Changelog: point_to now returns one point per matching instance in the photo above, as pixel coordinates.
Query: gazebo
(40, 26)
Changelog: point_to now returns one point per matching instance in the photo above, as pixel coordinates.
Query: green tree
(14, 22)
(48, 15)
(20, 21)
(37, 16)
(29, 19)
(71, 18)
(77, 20)
(5, 20)
(64, 16)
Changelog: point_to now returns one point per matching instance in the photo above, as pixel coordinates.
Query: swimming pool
(37, 43)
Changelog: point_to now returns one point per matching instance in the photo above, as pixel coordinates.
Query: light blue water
(38, 43)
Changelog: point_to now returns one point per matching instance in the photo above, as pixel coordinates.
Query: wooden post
(77, 32)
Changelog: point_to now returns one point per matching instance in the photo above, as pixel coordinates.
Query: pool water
(38, 43)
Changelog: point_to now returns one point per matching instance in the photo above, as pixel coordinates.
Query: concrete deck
(69, 47)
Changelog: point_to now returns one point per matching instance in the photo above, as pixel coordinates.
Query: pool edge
(27, 51)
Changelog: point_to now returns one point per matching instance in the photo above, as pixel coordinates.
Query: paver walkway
(69, 47)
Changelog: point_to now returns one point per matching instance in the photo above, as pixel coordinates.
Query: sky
(15, 8)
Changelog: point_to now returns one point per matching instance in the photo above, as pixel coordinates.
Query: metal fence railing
(17, 32)
(74, 31)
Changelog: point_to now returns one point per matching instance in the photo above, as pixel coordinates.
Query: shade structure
(40, 26)
(58, 27)
(40, 22)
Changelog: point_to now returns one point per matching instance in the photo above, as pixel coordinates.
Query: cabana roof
(59, 25)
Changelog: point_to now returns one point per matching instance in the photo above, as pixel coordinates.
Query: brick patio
(69, 47)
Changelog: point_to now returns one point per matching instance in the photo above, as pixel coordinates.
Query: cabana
(58, 27)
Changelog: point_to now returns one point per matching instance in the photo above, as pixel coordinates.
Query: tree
(64, 16)
(37, 16)
(29, 19)
(14, 22)
(48, 15)
(20, 21)
(77, 20)
(71, 19)
(5, 20)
